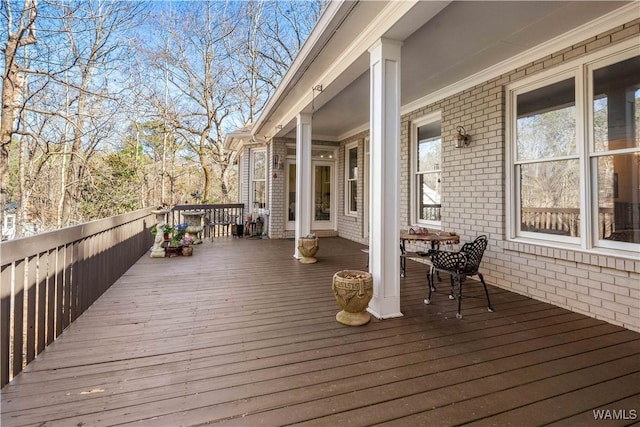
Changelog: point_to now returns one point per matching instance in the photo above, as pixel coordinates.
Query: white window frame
(366, 193)
(415, 205)
(593, 155)
(348, 180)
(582, 70)
(511, 132)
(253, 179)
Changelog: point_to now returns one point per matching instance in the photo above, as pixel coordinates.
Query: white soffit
(584, 19)
(446, 50)
(460, 64)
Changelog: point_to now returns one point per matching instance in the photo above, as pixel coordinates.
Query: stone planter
(194, 222)
(353, 290)
(307, 248)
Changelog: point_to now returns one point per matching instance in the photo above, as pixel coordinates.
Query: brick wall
(473, 201)
(277, 190)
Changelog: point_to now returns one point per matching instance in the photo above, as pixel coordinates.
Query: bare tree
(69, 98)
(73, 97)
(263, 47)
(190, 60)
(19, 35)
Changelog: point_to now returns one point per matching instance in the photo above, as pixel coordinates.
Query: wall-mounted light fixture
(277, 162)
(462, 138)
(314, 89)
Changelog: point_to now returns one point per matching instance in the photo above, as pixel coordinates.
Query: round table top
(431, 236)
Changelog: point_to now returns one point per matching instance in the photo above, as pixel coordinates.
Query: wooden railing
(565, 221)
(48, 280)
(217, 220)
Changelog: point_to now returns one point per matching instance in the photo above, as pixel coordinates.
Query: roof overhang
(235, 140)
(446, 46)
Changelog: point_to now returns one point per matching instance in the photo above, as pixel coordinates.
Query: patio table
(435, 238)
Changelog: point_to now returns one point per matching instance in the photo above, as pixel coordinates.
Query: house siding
(277, 189)
(473, 201)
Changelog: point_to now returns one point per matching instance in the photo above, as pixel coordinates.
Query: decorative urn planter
(307, 248)
(353, 290)
(194, 221)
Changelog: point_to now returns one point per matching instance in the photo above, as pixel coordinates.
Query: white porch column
(384, 238)
(303, 178)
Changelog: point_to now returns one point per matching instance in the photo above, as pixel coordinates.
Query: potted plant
(174, 245)
(186, 243)
(179, 231)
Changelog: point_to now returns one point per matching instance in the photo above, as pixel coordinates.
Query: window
(259, 179)
(547, 163)
(427, 159)
(574, 154)
(351, 179)
(615, 155)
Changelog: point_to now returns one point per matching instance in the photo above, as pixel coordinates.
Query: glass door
(323, 197)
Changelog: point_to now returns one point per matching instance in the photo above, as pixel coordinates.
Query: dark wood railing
(217, 220)
(48, 280)
(431, 212)
(554, 220)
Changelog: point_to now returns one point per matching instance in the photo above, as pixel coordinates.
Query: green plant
(166, 229)
(178, 233)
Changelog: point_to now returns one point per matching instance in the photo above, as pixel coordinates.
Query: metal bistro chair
(459, 265)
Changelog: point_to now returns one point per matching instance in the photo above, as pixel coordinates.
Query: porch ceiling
(460, 40)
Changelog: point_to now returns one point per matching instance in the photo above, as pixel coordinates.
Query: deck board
(243, 334)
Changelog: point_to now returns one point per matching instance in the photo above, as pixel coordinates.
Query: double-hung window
(351, 179)
(546, 164)
(573, 153)
(427, 166)
(259, 179)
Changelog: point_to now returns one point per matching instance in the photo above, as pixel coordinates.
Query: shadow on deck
(242, 334)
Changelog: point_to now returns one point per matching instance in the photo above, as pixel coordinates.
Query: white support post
(303, 178)
(384, 238)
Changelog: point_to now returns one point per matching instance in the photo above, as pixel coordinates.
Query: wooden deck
(242, 334)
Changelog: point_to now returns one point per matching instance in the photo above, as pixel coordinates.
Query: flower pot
(173, 251)
(353, 290)
(307, 248)
(187, 251)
